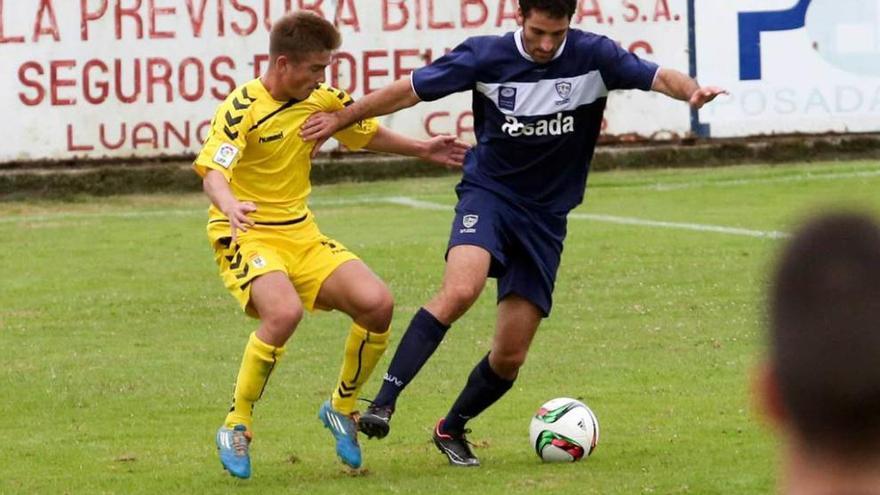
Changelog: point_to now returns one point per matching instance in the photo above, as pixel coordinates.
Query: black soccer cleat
(376, 421)
(455, 446)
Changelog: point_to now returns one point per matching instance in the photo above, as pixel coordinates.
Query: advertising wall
(792, 66)
(142, 78)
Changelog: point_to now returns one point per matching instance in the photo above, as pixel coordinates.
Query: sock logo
(393, 379)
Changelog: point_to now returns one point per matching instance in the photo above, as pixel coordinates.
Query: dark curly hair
(554, 8)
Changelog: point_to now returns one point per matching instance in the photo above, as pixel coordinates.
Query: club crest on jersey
(563, 89)
(507, 98)
(468, 221)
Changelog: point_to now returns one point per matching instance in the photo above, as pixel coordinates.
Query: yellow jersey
(254, 142)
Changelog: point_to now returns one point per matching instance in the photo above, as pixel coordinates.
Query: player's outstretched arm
(396, 96)
(442, 150)
(236, 211)
(682, 87)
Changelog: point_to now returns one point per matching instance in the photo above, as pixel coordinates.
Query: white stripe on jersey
(548, 96)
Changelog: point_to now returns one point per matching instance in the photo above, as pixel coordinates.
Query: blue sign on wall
(752, 24)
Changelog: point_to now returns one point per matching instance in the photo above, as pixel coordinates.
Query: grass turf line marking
(412, 203)
(405, 201)
(767, 234)
(86, 215)
(675, 186)
(200, 211)
(719, 229)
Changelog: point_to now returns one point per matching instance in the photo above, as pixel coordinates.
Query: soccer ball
(564, 430)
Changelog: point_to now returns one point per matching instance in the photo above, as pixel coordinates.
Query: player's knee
(377, 309)
(383, 310)
(283, 318)
(460, 297)
(507, 364)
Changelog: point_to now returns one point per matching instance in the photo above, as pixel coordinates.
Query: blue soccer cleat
(344, 430)
(233, 445)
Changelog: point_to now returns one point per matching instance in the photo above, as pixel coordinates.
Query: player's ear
(282, 62)
(520, 18)
(766, 397)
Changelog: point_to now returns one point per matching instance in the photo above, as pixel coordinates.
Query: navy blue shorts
(525, 245)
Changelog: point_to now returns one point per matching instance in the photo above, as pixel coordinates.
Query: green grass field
(120, 344)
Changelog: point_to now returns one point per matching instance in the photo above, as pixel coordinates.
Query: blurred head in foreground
(821, 384)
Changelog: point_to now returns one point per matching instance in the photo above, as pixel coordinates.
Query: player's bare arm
(442, 150)
(396, 96)
(682, 87)
(236, 211)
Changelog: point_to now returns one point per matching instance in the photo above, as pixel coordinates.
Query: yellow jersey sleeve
(357, 135)
(227, 138)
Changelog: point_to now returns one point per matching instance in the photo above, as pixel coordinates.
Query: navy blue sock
(484, 387)
(417, 345)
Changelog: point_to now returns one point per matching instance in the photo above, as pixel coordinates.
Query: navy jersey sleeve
(454, 72)
(621, 69)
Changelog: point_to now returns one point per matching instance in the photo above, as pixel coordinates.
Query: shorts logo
(469, 221)
(507, 98)
(225, 155)
(258, 262)
(334, 248)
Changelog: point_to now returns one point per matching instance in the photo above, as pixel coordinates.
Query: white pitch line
(48, 217)
(200, 211)
(674, 186)
(412, 203)
(416, 203)
(768, 234)
(405, 201)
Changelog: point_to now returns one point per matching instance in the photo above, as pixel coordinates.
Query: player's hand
(446, 150)
(705, 95)
(238, 217)
(319, 126)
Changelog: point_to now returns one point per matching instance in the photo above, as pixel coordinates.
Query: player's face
(300, 77)
(542, 34)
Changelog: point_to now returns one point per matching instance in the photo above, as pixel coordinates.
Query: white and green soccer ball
(564, 430)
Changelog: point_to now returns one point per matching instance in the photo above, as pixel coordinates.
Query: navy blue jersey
(536, 124)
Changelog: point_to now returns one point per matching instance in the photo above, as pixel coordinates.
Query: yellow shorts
(300, 250)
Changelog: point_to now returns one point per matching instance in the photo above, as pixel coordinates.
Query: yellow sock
(256, 365)
(362, 351)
